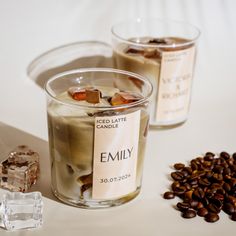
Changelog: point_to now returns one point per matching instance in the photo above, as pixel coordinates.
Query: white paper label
(115, 155)
(175, 82)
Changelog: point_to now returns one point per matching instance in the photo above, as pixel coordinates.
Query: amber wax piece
(93, 95)
(19, 171)
(124, 98)
(77, 93)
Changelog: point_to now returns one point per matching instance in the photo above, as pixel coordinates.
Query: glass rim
(163, 20)
(105, 70)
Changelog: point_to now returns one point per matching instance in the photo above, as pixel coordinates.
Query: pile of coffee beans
(206, 186)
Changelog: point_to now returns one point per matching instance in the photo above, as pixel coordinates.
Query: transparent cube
(21, 210)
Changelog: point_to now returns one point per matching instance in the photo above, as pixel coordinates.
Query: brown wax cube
(77, 93)
(151, 53)
(85, 179)
(93, 95)
(132, 50)
(124, 98)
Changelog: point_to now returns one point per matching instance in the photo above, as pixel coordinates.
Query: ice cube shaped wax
(19, 171)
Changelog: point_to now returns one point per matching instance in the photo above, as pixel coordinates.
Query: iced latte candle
(98, 121)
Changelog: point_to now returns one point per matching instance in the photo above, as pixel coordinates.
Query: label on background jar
(174, 89)
(115, 155)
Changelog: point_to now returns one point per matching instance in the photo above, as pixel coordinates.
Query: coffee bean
(197, 174)
(194, 165)
(180, 190)
(205, 201)
(218, 169)
(227, 171)
(169, 195)
(216, 202)
(202, 212)
(187, 186)
(193, 203)
(225, 155)
(209, 156)
(234, 156)
(213, 208)
(233, 217)
(189, 214)
(177, 175)
(211, 217)
(188, 169)
(185, 173)
(208, 174)
(231, 199)
(188, 194)
(217, 177)
(226, 187)
(183, 206)
(193, 182)
(229, 208)
(198, 193)
(179, 166)
(218, 196)
(231, 162)
(200, 205)
(207, 164)
(175, 184)
(233, 168)
(204, 182)
(232, 182)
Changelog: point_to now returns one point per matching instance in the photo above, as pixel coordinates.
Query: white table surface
(29, 28)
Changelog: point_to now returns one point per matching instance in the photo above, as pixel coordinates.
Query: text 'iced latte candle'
(98, 122)
(163, 51)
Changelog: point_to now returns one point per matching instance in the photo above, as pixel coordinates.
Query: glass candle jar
(98, 123)
(164, 51)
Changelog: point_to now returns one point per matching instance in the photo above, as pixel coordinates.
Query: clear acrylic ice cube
(21, 210)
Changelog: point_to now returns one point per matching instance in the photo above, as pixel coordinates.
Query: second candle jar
(165, 52)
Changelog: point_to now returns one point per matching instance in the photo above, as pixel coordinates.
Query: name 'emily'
(117, 156)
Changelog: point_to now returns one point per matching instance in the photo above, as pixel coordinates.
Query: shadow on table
(11, 137)
(86, 54)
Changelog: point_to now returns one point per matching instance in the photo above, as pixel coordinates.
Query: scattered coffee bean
(179, 190)
(175, 184)
(183, 206)
(233, 217)
(226, 187)
(206, 186)
(213, 208)
(229, 208)
(188, 169)
(211, 217)
(200, 205)
(202, 212)
(179, 166)
(225, 155)
(198, 193)
(189, 214)
(169, 195)
(204, 182)
(209, 156)
(194, 203)
(177, 175)
(234, 156)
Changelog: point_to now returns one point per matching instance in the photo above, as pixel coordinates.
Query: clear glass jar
(97, 148)
(164, 51)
